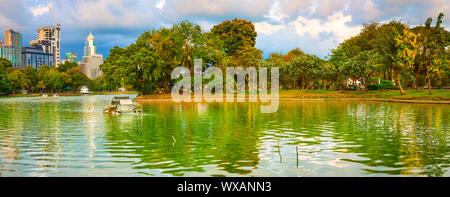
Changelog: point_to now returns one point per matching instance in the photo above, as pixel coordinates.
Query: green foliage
(395, 51)
(147, 64)
(75, 78)
(30, 78)
(15, 77)
(5, 85)
(64, 67)
(53, 80)
(383, 85)
(235, 34)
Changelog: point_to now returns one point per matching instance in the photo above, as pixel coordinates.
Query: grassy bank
(413, 95)
(437, 95)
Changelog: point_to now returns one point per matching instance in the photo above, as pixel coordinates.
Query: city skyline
(314, 26)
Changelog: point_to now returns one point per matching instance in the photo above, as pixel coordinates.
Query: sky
(315, 26)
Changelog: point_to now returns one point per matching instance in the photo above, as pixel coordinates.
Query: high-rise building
(90, 66)
(91, 61)
(12, 48)
(45, 45)
(35, 56)
(52, 34)
(90, 46)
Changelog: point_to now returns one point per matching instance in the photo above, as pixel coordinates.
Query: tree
(42, 71)
(246, 57)
(360, 66)
(53, 80)
(147, 64)
(432, 56)
(5, 66)
(77, 78)
(64, 67)
(235, 34)
(307, 68)
(409, 48)
(30, 78)
(15, 78)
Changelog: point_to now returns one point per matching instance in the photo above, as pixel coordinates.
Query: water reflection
(71, 137)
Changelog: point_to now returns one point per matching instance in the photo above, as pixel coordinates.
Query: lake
(70, 136)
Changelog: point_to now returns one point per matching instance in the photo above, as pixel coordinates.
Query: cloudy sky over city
(315, 26)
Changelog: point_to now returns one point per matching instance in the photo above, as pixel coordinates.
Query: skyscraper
(12, 49)
(90, 46)
(52, 34)
(91, 61)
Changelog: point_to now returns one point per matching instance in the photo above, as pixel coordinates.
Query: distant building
(90, 66)
(12, 48)
(71, 57)
(35, 56)
(53, 35)
(90, 46)
(91, 61)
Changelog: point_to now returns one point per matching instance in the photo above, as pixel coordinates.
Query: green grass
(438, 95)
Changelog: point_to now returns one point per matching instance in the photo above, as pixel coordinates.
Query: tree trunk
(429, 82)
(307, 86)
(402, 92)
(392, 75)
(415, 80)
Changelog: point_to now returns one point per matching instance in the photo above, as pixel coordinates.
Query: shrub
(384, 85)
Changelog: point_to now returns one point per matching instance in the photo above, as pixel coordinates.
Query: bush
(384, 85)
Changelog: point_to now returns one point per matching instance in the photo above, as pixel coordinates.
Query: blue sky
(315, 26)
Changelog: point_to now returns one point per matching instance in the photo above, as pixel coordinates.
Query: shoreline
(66, 94)
(149, 100)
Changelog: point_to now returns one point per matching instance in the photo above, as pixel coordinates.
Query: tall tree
(409, 47)
(235, 34)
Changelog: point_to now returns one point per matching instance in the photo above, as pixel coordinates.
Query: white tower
(90, 46)
(91, 61)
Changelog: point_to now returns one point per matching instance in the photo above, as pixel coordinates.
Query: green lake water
(70, 136)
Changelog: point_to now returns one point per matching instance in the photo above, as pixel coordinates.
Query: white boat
(120, 105)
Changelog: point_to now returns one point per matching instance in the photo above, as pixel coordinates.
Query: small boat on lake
(45, 96)
(120, 105)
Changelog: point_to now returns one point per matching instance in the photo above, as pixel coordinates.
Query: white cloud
(4, 21)
(275, 13)
(160, 4)
(335, 24)
(39, 10)
(104, 13)
(267, 28)
(253, 8)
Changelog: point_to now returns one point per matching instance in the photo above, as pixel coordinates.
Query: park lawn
(437, 95)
